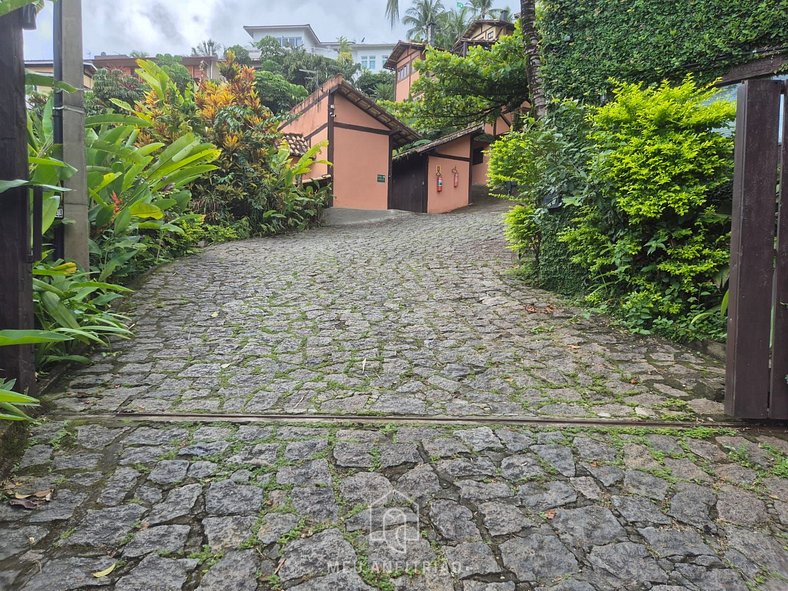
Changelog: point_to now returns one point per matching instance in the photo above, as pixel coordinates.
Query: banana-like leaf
(59, 312)
(97, 120)
(30, 337)
(49, 209)
(146, 210)
(16, 398)
(8, 185)
(8, 412)
(44, 80)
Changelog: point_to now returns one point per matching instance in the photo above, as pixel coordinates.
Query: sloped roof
(477, 24)
(401, 134)
(303, 28)
(446, 139)
(400, 48)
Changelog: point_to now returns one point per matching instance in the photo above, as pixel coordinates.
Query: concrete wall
(347, 112)
(359, 157)
(479, 172)
(309, 121)
(402, 88)
(451, 197)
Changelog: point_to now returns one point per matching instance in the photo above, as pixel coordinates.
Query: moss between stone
(12, 445)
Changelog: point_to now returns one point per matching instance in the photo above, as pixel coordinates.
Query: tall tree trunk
(533, 60)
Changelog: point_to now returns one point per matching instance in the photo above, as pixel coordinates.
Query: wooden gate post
(752, 272)
(16, 296)
(778, 401)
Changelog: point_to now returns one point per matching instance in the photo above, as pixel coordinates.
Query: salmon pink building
(402, 61)
(361, 137)
(439, 177)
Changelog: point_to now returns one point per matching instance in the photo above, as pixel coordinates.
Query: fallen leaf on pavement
(28, 504)
(103, 573)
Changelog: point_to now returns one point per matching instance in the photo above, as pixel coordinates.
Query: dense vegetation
(641, 190)
(167, 170)
(455, 91)
(585, 44)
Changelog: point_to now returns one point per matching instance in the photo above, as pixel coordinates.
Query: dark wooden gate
(409, 184)
(16, 295)
(756, 386)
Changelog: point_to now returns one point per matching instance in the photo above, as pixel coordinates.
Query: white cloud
(174, 26)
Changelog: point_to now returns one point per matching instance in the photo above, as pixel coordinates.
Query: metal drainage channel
(306, 418)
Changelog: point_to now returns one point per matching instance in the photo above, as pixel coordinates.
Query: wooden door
(409, 184)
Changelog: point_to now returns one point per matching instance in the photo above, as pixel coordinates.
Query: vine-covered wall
(586, 43)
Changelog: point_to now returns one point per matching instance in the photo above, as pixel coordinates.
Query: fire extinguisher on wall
(456, 177)
(439, 180)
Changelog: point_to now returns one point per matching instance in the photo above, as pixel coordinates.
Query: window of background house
(293, 42)
(368, 62)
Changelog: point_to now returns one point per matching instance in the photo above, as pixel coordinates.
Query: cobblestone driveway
(410, 317)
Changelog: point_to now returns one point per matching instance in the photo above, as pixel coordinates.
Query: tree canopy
(455, 91)
(276, 93)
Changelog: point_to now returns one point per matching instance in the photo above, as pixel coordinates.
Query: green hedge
(587, 43)
(556, 270)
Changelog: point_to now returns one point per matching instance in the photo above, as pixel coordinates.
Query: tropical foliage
(455, 91)
(144, 159)
(422, 19)
(654, 231)
(276, 93)
(628, 203)
(109, 85)
(585, 44)
(538, 166)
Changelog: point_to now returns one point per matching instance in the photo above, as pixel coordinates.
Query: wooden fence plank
(752, 249)
(778, 403)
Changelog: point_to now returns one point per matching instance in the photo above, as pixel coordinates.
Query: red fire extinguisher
(439, 176)
(456, 177)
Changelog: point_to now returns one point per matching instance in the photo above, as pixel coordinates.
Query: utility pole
(16, 287)
(69, 127)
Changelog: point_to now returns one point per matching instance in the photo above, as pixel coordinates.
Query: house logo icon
(393, 519)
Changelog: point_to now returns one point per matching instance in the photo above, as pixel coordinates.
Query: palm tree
(207, 48)
(392, 11)
(422, 18)
(451, 26)
(481, 8)
(344, 50)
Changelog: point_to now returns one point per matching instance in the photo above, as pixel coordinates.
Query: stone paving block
(228, 498)
(107, 527)
(228, 532)
(68, 574)
(236, 571)
(316, 555)
(538, 557)
(453, 521)
(179, 502)
(587, 526)
(159, 574)
(163, 538)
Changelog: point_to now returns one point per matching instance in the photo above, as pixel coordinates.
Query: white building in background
(371, 56)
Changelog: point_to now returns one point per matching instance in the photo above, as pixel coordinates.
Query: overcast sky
(175, 26)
